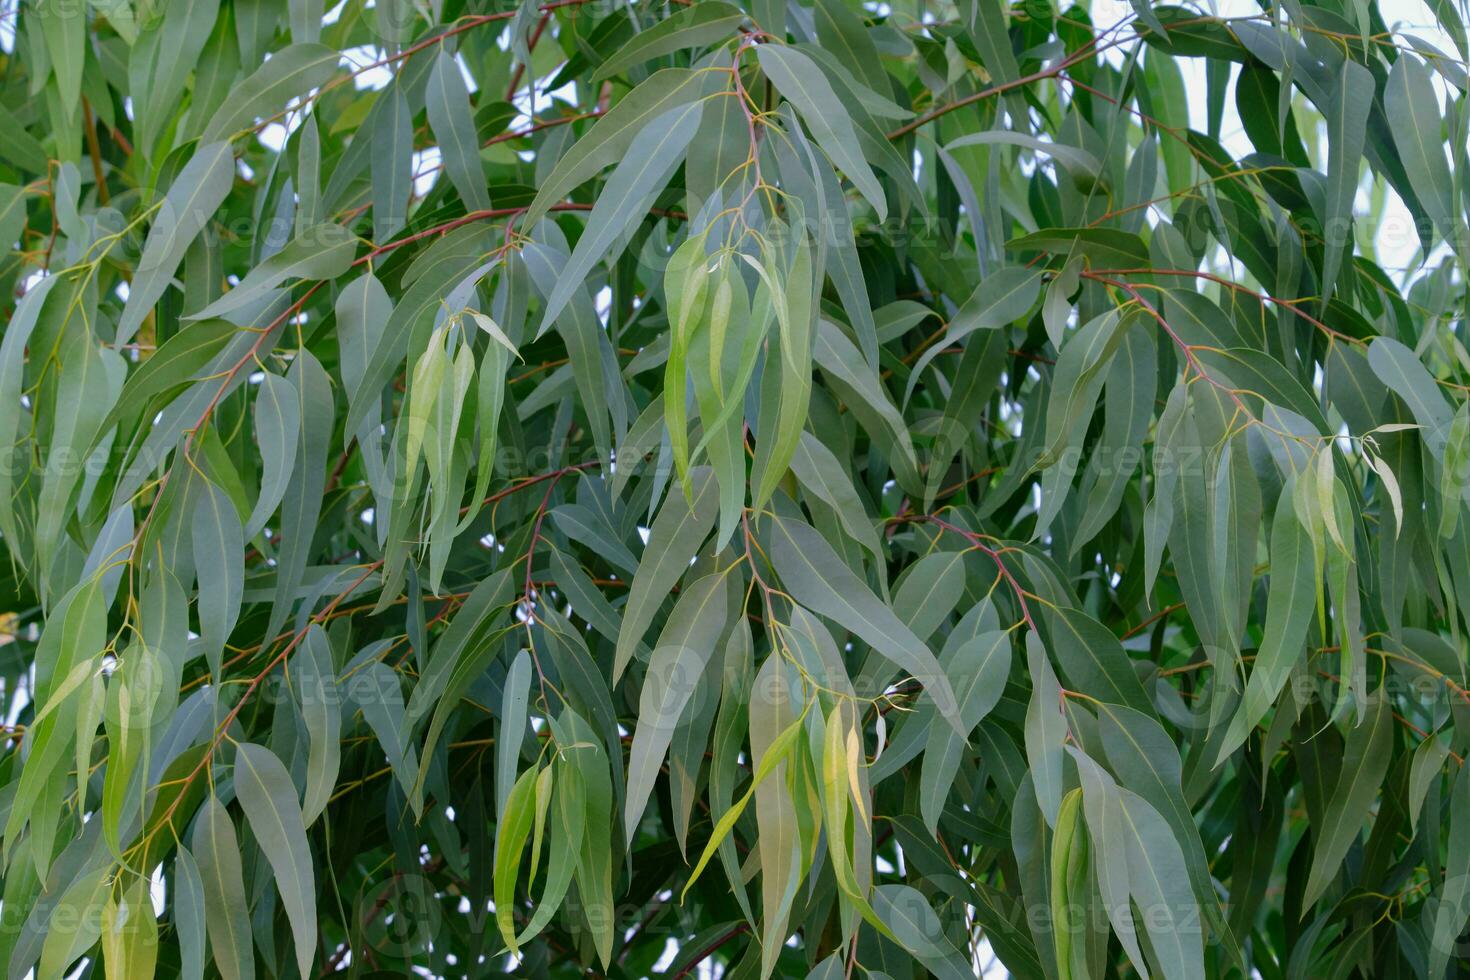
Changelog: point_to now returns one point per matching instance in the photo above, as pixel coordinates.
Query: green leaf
(269, 800)
(679, 658)
(910, 918)
(526, 378)
(218, 549)
(448, 104)
(1075, 160)
(512, 728)
(691, 27)
(290, 73)
(322, 252)
(1347, 118)
(641, 174)
(217, 851)
(392, 164)
(680, 529)
(1412, 108)
(277, 429)
(819, 471)
(1103, 247)
(1160, 888)
(65, 31)
(319, 707)
(1093, 659)
(1452, 901)
(800, 80)
(1295, 579)
(977, 670)
(189, 914)
(614, 134)
(1364, 763)
(381, 699)
(818, 579)
(997, 302)
(191, 201)
(1046, 726)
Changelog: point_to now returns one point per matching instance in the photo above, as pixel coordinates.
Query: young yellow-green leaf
(565, 845)
(841, 796)
(129, 933)
(510, 839)
(1070, 879)
(776, 752)
(789, 277)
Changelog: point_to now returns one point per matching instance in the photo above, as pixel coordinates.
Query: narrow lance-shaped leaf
(319, 706)
(800, 80)
(679, 658)
(192, 199)
(448, 104)
(217, 851)
(1347, 116)
(218, 547)
(269, 799)
(289, 74)
(676, 535)
(819, 580)
(1364, 763)
(624, 199)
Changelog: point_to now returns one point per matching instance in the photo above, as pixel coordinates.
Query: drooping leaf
(269, 799)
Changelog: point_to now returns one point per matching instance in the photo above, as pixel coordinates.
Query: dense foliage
(768, 488)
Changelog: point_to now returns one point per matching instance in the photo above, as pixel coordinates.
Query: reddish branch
(978, 543)
(711, 949)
